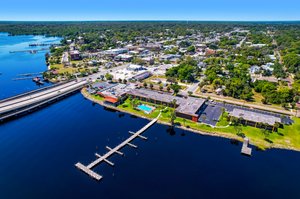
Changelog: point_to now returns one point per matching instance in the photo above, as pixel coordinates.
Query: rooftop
(188, 106)
(255, 117)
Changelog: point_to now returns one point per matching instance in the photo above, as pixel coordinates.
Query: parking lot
(210, 114)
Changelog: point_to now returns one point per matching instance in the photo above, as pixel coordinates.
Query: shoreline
(200, 132)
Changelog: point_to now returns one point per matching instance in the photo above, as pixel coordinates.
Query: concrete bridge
(26, 102)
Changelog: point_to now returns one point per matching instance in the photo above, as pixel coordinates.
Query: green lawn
(61, 69)
(223, 120)
(97, 97)
(288, 137)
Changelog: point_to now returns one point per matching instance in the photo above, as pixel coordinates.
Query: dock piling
(88, 169)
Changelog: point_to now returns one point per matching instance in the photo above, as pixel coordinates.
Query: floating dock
(111, 151)
(246, 150)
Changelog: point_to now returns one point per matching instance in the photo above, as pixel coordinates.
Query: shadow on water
(133, 116)
(121, 115)
(235, 142)
(171, 131)
(110, 109)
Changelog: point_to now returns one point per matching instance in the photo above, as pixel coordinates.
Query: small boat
(36, 79)
(40, 82)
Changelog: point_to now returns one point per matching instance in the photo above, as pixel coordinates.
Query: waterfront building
(114, 94)
(256, 119)
(187, 108)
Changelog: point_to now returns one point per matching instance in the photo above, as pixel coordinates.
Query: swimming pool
(145, 108)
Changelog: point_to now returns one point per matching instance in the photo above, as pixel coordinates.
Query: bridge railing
(33, 91)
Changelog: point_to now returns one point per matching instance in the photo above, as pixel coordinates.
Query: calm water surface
(38, 151)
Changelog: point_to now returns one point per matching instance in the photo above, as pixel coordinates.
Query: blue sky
(236, 10)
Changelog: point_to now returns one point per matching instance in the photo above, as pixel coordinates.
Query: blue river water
(39, 150)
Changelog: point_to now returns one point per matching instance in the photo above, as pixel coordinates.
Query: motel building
(114, 94)
(256, 119)
(187, 108)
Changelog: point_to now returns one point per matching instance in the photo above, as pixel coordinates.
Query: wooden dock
(43, 44)
(246, 150)
(29, 51)
(30, 74)
(111, 151)
(26, 78)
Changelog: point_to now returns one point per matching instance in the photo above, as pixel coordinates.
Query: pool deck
(142, 106)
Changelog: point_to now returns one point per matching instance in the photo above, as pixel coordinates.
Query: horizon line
(151, 20)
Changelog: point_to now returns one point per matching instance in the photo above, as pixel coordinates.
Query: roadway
(28, 100)
(34, 95)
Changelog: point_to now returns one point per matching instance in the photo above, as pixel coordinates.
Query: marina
(43, 44)
(25, 78)
(58, 143)
(111, 151)
(29, 51)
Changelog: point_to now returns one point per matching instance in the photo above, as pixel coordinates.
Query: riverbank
(257, 138)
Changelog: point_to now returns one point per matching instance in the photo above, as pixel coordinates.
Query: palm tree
(276, 126)
(174, 103)
(161, 88)
(145, 85)
(172, 117)
(151, 86)
(184, 121)
(168, 89)
(223, 111)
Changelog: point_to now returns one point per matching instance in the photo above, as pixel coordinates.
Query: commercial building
(187, 108)
(169, 57)
(256, 119)
(114, 94)
(141, 76)
(123, 57)
(115, 52)
(75, 55)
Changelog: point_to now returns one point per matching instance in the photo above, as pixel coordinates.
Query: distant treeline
(143, 27)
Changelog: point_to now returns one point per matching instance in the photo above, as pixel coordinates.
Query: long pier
(111, 151)
(25, 78)
(30, 74)
(43, 44)
(25, 102)
(29, 51)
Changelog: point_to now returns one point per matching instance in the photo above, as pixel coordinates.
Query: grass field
(61, 69)
(288, 137)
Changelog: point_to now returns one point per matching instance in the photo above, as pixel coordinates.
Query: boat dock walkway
(111, 151)
(246, 150)
(29, 51)
(25, 78)
(30, 74)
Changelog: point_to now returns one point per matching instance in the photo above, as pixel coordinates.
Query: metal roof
(255, 117)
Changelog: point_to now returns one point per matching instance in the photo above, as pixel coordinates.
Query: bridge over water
(26, 102)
